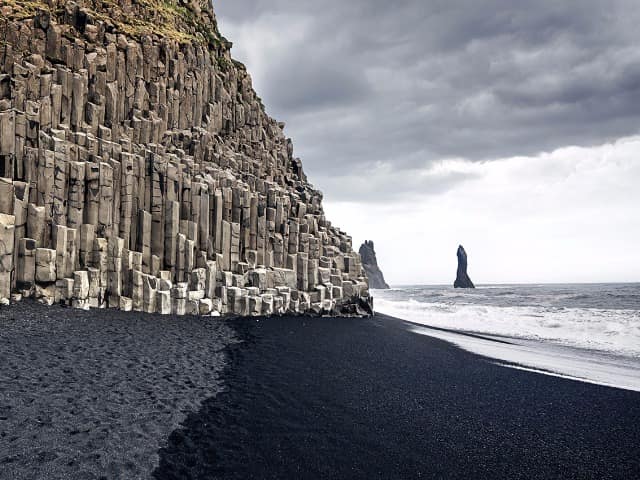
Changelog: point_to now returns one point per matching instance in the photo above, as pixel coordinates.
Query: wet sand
(586, 365)
(370, 399)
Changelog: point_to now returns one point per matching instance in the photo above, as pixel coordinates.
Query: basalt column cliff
(140, 171)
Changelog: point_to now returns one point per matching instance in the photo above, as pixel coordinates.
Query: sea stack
(370, 264)
(462, 278)
(139, 170)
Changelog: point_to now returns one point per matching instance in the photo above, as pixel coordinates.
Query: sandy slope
(94, 394)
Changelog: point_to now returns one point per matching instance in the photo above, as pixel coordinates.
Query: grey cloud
(384, 187)
(412, 81)
(305, 85)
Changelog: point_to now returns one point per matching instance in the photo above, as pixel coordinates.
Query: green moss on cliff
(22, 9)
(180, 20)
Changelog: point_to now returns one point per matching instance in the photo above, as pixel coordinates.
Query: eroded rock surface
(370, 265)
(140, 171)
(462, 278)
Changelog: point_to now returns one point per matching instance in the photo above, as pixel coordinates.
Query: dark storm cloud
(366, 83)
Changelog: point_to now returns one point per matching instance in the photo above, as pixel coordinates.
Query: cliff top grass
(180, 20)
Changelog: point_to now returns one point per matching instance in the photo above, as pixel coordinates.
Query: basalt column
(139, 170)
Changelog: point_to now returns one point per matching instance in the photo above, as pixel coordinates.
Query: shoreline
(546, 358)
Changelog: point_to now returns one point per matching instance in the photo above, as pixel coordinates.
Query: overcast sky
(509, 127)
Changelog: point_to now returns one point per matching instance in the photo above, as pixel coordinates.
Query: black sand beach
(90, 395)
(95, 394)
(328, 398)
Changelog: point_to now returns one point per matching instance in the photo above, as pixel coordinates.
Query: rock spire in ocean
(139, 170)
(370, 264)
(462, 277)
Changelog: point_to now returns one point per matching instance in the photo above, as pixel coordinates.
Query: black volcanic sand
(368, 399)
(89, 395)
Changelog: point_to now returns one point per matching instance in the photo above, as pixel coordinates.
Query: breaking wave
(536, 313)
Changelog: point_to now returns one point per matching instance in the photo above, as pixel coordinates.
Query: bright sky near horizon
(509, 127)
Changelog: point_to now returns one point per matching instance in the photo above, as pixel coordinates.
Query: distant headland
(370, 264)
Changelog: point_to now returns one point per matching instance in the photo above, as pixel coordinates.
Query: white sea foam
(615, 331)
(549, 359)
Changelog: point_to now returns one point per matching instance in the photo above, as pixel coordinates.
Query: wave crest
(608, 330)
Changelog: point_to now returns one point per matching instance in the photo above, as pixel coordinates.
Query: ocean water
(599, 318)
